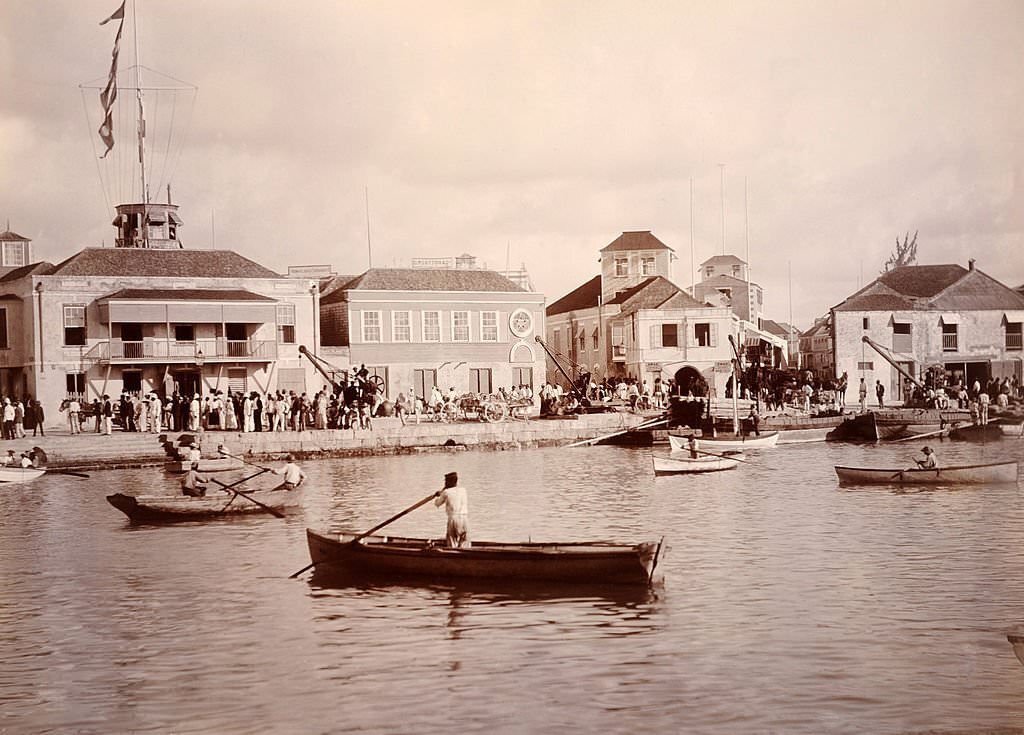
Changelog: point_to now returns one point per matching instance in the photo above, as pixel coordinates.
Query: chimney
(970, 264)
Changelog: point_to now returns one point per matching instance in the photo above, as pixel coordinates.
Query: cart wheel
(494, 411)
(379, 382)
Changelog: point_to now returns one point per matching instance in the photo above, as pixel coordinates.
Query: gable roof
(425, 279)
(8, 236)
(41, 268)
(586, 296)
(186, 294)
(652, 293)
(723, 260)
(638, 240)
(933, 287)
(145, 262)
(332, 284)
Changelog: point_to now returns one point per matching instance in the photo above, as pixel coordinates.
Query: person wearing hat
(929, 462)
(11, 460)
(456, 505)
(293, 474)
(192, 484)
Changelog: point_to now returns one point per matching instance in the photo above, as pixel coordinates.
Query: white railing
(949, 342)
(174, 350)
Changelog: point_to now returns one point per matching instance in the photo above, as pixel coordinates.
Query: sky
(803, 137)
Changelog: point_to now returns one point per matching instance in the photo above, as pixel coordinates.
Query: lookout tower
(159, 233)
(15, 250)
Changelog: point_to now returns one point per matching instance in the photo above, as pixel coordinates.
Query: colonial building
(930, 315)
(148, 315)
(724, 281)
(633, 322)
(15, 251)
(816, 350)
(466, 328)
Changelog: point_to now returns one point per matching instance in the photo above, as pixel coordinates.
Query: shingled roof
(41, 268)
(425, 279)
(186, 294)
(641, 240)
(655, 292)
(144, 262)
(724, 260)
(933, 287)
(8, 236)
(586, 296)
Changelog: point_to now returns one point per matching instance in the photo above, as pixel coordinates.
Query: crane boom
(885, 354)
(584, 401)
(329, 371)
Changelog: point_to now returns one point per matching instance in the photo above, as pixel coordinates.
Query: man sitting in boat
(456, 505)
(11, 460)
(191, 483)
(929, 462)
(293, 475)
(692, 443)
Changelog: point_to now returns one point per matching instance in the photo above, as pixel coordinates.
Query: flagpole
(140, 126)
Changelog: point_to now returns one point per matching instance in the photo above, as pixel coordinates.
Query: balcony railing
(169, 350)
(1014, 341)
(949, 342)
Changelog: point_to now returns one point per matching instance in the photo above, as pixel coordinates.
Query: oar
(231, 488)
(920, 436)
(379, 526)
(645, 425)
(723, 456)
(67, 472)
(244, 460)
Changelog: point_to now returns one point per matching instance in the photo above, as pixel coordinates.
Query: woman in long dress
(230, 422)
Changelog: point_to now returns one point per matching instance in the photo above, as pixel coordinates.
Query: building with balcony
(924, 316)
(130, 319)
(467, 328)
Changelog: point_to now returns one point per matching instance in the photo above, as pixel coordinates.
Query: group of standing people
(18, 416)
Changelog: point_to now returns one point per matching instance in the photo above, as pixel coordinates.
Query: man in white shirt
(293, 475)
(456, 505)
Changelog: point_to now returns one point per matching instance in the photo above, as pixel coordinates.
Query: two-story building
(816, 349)
(924, 316)
(467, 328)
(724, 281)
(148, 315)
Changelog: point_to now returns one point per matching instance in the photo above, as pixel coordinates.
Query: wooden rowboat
(20, 474)
(220, 464)
(215, 503)
(977, 432)
(1012, 429)
(594, 562)
(679, 463)
(978, 474)
(1017, 641)
(719, 443)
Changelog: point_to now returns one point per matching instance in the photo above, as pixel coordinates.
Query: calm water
(790, 605)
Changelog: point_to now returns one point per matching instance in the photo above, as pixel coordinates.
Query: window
(669, 335)
(902, 340)
(480, 380)
(14, 253)
(401, 327)
(556, 339)
(647, 266)
(702, 333)
(371, 326)
(76, 384)
(488, 326)
(866, 323)
(736, 271)
(237, 378)
(949, 337)
(74, 326)
(286, 323)
(866, 366)
(726, 295)
(182, 332)
(460, 326)
(582, 337)
(1013, 336)
(596, 338)
(431, 327)
(237, 337)
(621, 267)
(522, 376)
(131, 381)
(4, 344)
(423, 381)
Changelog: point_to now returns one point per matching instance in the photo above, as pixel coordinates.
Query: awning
(1013, 316)
(950, 318)
(899, 319)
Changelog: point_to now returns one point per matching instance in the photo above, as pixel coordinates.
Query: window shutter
(691, 335)
(655, 335)
(714, 334)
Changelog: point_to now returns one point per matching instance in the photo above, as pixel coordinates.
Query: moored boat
(681, 463)
(765, 440)
(215, 503)
(979, 474)
(1011, 429)
(977, 432)
(219, 464)
(591, 562)
(20, 474)
(866, 427)
(1017, 641)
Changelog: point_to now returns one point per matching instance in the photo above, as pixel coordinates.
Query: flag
(109, 93)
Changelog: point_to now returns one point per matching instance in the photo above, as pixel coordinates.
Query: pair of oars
(231, 488)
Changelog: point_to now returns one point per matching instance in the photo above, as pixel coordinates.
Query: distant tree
(906, 253)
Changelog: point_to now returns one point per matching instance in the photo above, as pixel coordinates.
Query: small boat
(584, 562)
(219, 464)
(1008, 429)
(215, 503)
(20, 474)
(803, 436)
(977, 432)
(682, 463)
(867, 427)
(978, 474)
(1017, 641)
(721, 443)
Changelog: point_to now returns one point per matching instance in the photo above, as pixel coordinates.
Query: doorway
(189, 382)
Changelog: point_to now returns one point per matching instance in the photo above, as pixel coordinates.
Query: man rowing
(192, 484)
(293, 474)
(929, 462)
(456, 505)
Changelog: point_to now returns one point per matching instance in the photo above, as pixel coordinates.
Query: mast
(140, 127)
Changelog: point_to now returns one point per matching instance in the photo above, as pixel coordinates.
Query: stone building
(724, 281)
(924, 316)
(467, 328)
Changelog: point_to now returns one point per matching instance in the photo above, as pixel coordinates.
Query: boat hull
(1012, 429)
(986, 474)
(1017, 641)
(977, 433)
(866, 427)
(216, 504)
(683, 465)
(383, 556)
(766, 440)
(19, 474)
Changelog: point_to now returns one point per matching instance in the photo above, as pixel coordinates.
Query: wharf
(136, 449)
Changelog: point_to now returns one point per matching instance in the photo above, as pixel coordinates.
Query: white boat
(680, 463)
(723, 443)
(803, 436)
(1012, 429)
(20, 474)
